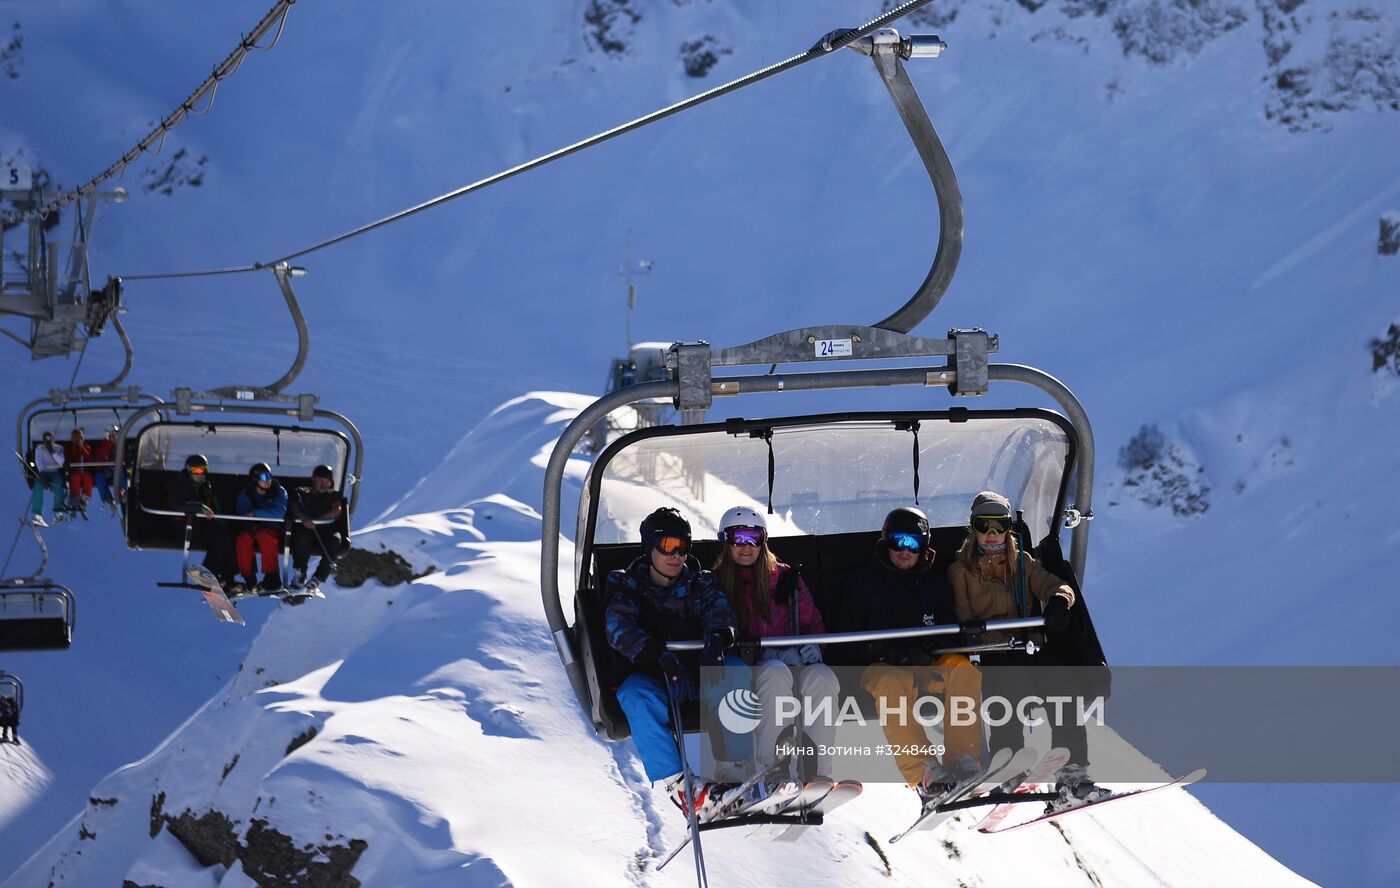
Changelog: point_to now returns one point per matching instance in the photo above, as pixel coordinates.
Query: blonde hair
(727, 573)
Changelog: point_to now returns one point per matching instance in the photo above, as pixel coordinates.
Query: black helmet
(905, 519)
(664, 522)
(197, 460)
(323, 471)
(258, 468)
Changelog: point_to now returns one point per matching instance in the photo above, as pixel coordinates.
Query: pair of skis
(1004, 767)
(813, 800)
(1011, 779)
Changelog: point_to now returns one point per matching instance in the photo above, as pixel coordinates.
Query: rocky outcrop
(267, 856)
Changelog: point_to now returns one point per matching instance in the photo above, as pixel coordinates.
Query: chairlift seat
(36, 619)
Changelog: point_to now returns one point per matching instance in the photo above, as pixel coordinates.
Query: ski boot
(706, 798)
(939, 780)
(1074, 788)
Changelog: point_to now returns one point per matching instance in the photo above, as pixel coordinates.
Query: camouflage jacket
(642, 616)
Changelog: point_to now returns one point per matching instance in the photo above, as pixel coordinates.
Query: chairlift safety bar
(173, 513)
(776, 641)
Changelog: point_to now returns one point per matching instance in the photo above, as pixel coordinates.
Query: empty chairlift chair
(36, 617)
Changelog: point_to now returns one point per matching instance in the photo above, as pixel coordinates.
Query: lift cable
(831, 43)
(277, 15)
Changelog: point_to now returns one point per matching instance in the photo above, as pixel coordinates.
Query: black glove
(678, 681)
(787, 586)
(1056, 613)
(715, 645)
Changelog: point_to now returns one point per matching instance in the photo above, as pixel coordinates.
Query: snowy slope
(446, 739)
(1142, 229)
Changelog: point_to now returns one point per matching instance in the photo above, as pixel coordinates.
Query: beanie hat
(990, 504)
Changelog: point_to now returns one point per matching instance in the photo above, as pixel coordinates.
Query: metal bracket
(969, 361)
(832, 342)
(691, 363)
(1074, 517)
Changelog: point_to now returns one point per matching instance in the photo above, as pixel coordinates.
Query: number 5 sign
(19, 178)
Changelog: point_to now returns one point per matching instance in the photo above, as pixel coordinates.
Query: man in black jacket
(901, 589)
(319, 502)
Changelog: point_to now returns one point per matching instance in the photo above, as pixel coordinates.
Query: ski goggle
(744, 536)
(908, 542)
(673, 546)
(197, 471)
(263, 476)
(992, 526)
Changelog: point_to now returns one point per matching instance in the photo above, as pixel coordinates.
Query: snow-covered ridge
(424, 735)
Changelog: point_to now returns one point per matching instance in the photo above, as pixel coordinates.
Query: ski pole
(701, 879)
(315, 532)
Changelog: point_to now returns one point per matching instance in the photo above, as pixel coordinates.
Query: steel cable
(276, 15)
(831, 43)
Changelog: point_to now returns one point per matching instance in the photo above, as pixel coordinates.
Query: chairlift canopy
(92, 418)
(832, 474)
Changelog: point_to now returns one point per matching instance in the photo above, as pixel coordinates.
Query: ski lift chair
(293, 451)
(288, 432)
(830, 481)
(36, 616)
(91, 410)
(12, 687)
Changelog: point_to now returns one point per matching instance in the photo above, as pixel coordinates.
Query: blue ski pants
(648, 707)
(53, 483)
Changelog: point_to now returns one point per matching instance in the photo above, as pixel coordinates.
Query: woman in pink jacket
(769, 599)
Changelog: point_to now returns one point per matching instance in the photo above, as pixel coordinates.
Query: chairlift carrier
(693, 385)
(12, 687)
(289, 432)
(36, 616)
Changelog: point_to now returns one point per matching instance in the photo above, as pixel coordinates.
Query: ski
(735, 800)
(803, 799)
(214, 594)
(1186, 780)
(1041, 773)
(810, 796)
(839, 795)
(297, 596)
(1003, 765)
(735, 806)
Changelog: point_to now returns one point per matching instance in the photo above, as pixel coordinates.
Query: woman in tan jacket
(993, 579)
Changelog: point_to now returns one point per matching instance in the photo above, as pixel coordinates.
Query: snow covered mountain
(422, 735)
(1173, 207)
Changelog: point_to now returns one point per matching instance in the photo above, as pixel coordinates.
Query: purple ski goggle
(743, 536)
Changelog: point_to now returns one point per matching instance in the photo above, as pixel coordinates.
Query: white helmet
(742, 516)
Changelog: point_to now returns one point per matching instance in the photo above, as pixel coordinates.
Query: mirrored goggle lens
(197, 470)
(744, 536)
(673, 546)
(909, 542)
(264, 476)
(983, 525)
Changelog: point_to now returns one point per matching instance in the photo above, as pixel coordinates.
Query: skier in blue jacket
(664, 595)
(264, 497)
